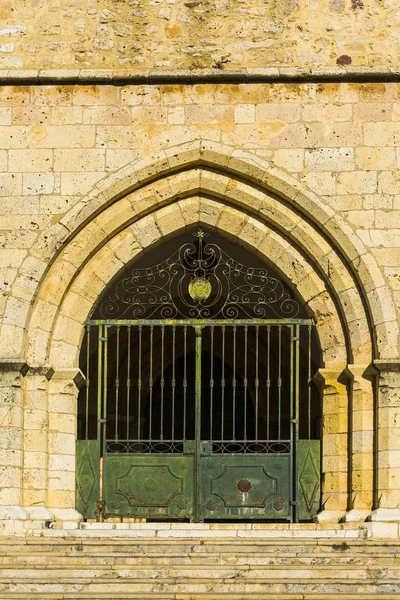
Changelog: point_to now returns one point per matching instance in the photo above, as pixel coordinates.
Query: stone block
(329, 516)
(13, 512)
(65, 515)
(383, 530)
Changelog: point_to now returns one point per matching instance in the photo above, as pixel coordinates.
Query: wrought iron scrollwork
(199, 281)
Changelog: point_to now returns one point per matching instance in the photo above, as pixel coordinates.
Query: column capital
(366, 371)
(9, 365)
(46, 371)
(325, 374)
(75, 375)
(387, 365)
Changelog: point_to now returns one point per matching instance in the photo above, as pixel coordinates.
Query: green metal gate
(198, 418)
(193, 422)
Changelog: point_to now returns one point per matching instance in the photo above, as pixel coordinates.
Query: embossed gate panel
(149, 486)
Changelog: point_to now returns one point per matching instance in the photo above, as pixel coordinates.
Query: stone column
(361, 438)
(333, 384)
(35, 436)
(388, 442)
(62, 407)
(11, 439)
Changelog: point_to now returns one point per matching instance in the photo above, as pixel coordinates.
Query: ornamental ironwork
(199, 281)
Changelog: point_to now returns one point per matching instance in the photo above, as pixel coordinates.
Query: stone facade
(147, 34)
(303, 173)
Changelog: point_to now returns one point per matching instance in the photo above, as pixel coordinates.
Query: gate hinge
(295, 421)
(103, 420)
(292, 503)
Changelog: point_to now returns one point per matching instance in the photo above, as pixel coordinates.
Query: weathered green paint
(87, 478)
(245, 486)
(199, 484)
(152, 486)
(308, 459)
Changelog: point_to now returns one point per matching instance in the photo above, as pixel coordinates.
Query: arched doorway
(199, 402)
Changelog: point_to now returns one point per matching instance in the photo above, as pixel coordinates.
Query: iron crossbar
(201, 322)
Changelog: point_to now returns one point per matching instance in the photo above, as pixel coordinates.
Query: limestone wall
(173, 34)
(339, 140)
(305, 174)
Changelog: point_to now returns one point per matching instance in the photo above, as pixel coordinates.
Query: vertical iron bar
(139, 400)
(87, 381)
(151, 384)
(256, 382)
(117, 384)
(234, 386)
(245, 383)
(223, 384)
(173, 382)
(184, 379)
(296, 416)
(99, 379)
(297, 382)
(268, 381)
(198, 422)
(279, 380)
(211, 380)
(105, 377)
(100, 423)
(292, 424)
(162, 382)
(128, 383)
(309, 383)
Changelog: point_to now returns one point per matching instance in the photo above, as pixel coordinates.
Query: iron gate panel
(153, 486)
(200, 420)
(308, 458)
(245, 486)
(88, 478)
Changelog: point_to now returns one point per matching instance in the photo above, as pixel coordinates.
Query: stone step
(105, 568)
(22, 588)
(210, 559)
(213, 596)
(200, 571)
(115, 543)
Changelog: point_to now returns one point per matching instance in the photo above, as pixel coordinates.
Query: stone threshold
(159, 76)
(208, 531)
(356, 524)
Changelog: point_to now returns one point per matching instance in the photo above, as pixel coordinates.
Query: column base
(329, 516)
(391, 515)
(68, 517)
(18, 520)
(357, 515)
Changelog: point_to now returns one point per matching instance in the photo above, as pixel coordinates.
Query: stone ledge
(160, 76)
